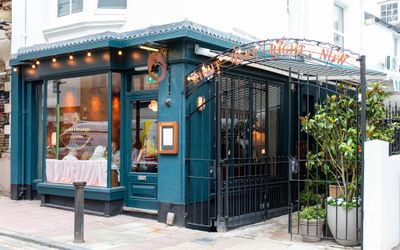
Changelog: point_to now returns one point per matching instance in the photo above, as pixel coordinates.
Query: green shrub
(312, 213)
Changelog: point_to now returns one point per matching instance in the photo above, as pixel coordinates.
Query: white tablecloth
(94, 172)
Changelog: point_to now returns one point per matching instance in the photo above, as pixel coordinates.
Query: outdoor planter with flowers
(312, 221)
(336, 129)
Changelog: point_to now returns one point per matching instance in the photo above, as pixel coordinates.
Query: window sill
(93, 193)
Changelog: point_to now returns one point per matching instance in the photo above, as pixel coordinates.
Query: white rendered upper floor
(340, 22)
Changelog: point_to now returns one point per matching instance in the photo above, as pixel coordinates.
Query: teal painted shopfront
(91, 99)
(87, 109)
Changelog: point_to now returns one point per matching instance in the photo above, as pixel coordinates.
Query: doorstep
(139, 212)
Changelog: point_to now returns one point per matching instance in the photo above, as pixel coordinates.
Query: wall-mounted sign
(167, 137)
(157, 66)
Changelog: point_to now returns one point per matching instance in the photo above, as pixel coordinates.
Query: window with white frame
(396, 85)
(111, 4)
(389, 12)
(68, 7)
(338, 26)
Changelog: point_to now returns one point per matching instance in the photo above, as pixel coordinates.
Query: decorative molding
(82, 26)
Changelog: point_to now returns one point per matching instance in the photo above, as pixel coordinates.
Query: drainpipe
(25, 29)
(23, 178)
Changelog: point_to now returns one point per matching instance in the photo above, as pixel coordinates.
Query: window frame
(109, 74)
(70, 10)
(337, 32)
(388, 8)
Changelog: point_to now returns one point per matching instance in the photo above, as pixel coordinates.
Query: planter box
(347, 229)
(336, 191)
(310, 230)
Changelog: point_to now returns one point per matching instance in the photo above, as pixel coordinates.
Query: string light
(120, 52)
(54, 60)
(89, 54)
(71, 57)
(37, 62)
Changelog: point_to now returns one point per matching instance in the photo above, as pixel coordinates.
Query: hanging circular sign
(157, 66)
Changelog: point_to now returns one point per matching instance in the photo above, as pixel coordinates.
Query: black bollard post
(79, 211)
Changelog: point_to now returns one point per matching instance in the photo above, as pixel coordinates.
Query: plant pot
(352, 236)
(310, 230)
(335, 191)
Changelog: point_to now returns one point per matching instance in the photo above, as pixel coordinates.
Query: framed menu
(167, 137)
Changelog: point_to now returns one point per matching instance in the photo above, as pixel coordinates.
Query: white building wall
(311, 19)
(381, 197)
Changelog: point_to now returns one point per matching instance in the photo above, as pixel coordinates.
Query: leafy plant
(312, 213)
(336, 129)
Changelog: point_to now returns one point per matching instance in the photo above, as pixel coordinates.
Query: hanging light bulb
(89, 54)
(37, 62)
(71, 57)
(201, 103)
(33, 66)
(120, 52)
(15, 69)
(54, 60)
(153, 105)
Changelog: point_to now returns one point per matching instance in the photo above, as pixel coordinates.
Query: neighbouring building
(5, 88)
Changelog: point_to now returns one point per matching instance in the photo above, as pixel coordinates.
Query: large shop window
(77, 130)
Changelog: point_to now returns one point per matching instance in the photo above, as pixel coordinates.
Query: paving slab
(29, 219)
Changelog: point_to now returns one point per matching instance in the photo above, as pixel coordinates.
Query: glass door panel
(144, 155)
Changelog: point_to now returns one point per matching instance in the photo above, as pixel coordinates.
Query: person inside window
(99, 153)
(72, 153)
(136, 150)
(115, 166)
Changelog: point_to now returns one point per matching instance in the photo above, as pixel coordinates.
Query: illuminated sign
(273, 50)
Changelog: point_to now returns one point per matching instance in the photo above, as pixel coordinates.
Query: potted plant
(311, 223)
(336, 129)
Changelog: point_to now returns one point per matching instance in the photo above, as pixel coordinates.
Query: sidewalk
(27, 219)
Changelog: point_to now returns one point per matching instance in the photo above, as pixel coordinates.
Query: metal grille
(242, 179)
(310, 186)
(393, 115)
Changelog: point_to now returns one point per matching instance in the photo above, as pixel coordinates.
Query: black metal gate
(247, 149)
(236, 172)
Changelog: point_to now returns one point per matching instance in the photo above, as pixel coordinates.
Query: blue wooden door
(142, 177)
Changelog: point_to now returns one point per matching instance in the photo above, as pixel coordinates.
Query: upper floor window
(389, 12)
(67, 7)
(338, 26)
(396, 85)
(111, 4)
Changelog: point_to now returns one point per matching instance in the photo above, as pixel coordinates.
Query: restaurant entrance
(142, 174)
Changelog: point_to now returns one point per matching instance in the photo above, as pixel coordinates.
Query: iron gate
(236, 172)
(247, 151)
